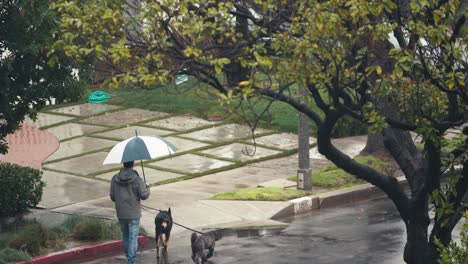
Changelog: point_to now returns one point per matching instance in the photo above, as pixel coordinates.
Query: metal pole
(304, 172)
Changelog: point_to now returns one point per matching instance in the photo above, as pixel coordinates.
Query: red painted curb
(86, 252)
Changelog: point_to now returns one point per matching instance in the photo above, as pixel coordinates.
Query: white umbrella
(139, 148)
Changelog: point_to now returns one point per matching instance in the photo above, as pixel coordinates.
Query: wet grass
(202, 101)
(262, 194)
(333, 177)
(330, 177)
(198, 99)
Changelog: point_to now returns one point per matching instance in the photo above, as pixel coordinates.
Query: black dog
(202, 243)
(163, 226)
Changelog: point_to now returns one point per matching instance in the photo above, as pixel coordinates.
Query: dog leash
(146, 208)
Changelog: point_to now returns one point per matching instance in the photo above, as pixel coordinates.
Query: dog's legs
(165, 249)
(193, 254)
(210, 252)
(158, 239)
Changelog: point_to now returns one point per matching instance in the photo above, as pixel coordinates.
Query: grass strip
(333, 177)
(262, 194)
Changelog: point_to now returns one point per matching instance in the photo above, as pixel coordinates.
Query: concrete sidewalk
(190, 204)
(78, 183)
(212, 152)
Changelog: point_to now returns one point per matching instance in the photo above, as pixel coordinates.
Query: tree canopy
(27, 79)
(351, 58)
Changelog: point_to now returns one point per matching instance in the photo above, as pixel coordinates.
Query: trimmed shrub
(71, 221)
(90, 229)
(142, 231)
(57, 232)
(20, 188)
(31, 239)
(56, 237)
(112, 231)
(5, 239)
(9, 255)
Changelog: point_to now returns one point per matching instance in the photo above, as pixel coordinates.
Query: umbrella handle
(143, 170)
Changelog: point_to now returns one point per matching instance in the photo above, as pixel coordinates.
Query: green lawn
(200, 100)
(195, 98)
(262, 194)
(329, 177)
(333, 177)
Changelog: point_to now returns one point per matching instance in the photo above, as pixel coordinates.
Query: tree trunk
(417, 246)
(375, 145)
(235, 73)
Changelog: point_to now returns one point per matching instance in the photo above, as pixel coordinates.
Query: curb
(333, 199)
(76, 255)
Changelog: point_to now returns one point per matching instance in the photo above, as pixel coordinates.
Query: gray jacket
(127, 189)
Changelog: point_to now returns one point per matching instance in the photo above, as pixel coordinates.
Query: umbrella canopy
(139, 148)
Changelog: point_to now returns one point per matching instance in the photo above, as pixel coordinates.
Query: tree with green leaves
(27, 79)
(397, 66)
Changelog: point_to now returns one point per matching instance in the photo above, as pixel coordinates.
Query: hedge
(20, 188)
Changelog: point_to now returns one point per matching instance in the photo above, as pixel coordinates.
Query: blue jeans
(130, 229)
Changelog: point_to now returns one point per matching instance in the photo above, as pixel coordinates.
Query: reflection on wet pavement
(70, 130)
(367, 232)
(185, 144)
(123, 117)
(280, 140)
(223, 133)
(80, 145)
(128, 132)
(191, 163)
(181, 123)
(62, 189)
(241, 152)
(83, 165)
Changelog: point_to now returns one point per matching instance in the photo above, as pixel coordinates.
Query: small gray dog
(203, 245)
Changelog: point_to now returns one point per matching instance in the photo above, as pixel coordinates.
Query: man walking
(127, 189)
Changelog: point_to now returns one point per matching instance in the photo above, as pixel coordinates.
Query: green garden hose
(98, 97)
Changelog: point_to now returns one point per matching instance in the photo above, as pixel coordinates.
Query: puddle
(253, 232)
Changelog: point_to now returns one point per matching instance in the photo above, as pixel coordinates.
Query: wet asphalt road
(367, 232)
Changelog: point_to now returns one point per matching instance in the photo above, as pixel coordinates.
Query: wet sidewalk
(217, 156)
(213, 157)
